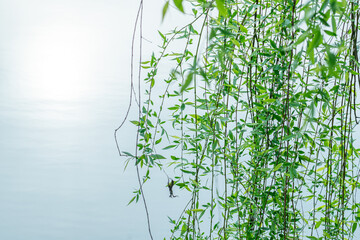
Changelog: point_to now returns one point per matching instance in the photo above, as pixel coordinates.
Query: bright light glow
(57, 62)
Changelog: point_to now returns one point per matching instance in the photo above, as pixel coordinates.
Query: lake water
(64, 87)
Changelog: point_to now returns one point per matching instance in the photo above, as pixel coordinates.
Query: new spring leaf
(179, 5)
(220, 4)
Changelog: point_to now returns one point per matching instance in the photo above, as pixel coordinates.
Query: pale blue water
(64, 85)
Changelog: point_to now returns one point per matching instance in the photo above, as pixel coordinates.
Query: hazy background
(64, 87)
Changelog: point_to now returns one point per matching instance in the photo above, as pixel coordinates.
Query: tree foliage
(257, 118)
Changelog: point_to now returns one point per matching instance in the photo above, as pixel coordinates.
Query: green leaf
(212, 33)
(220, 4)
(128, 154)
(273, 44)
(333, 23)
(182, 107)
(324, 5)
(243, 29)
(157, 156)
(183, 229)
(162, 36)
(318, 38)
(164, 11)
(331, 60)
(310, 52)
(187, 188)
(330, 33)
(323, 21)
(236, 42)
(259, 105)
(136, 123)
(197, 210)
(147, 137)
(320, 169)
(179, 5)
(288, 137)
(327, 235)
(302, 38)
(277, 167)
(269, 101)
(354, 226)
(168, 147)
(293, 173)
(333, 5)
(261, 88)
(131, 200)
(203, 74)
(312, 238)
(316, 41)
(187, 82)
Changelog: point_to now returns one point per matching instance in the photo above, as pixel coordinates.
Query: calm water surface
(64, 68)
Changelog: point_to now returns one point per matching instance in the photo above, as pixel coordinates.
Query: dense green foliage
(257, 117)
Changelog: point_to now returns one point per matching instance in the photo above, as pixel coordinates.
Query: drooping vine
(257, 117)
